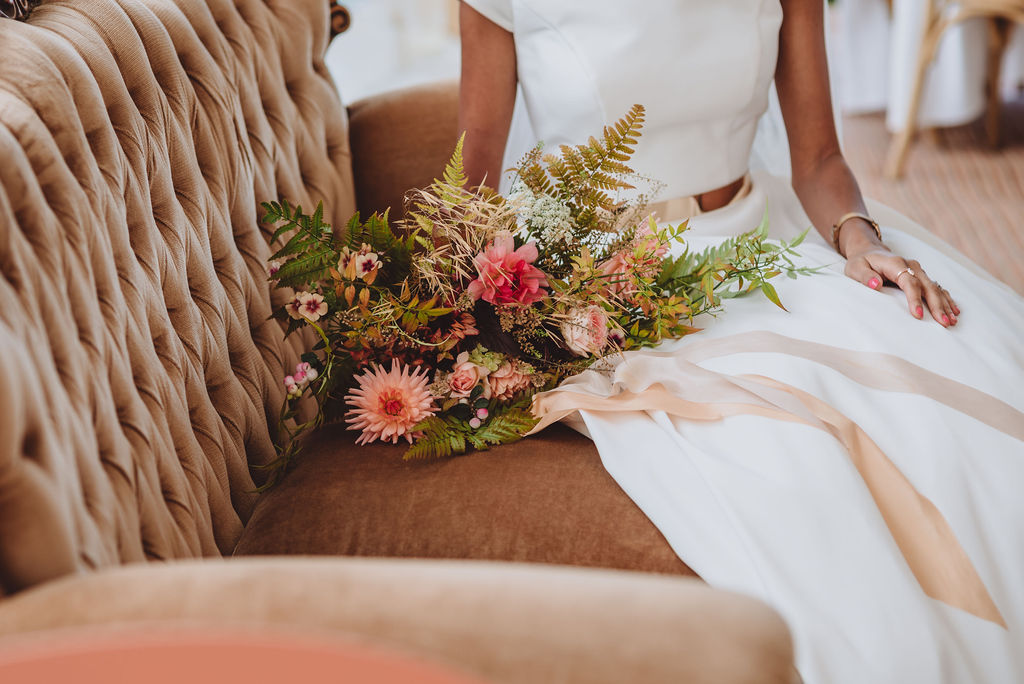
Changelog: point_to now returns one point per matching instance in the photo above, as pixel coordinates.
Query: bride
(859, 468)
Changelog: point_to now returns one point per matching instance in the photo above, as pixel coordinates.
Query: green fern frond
(429, 447)
(533, 174)
(307, 269)
(376, 232)
(583, 175)
(455, 170)
(435, 442)
(507, 427)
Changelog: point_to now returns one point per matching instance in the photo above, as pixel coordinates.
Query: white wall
(393, 44)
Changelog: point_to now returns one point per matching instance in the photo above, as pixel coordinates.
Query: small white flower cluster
(549, 219)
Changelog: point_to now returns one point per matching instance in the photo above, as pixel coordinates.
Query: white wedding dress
(859, 470)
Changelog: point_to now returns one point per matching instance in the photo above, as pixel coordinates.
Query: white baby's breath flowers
(549, 219)
(521, 198)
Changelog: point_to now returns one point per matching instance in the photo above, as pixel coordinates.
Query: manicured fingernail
(953, 318)
(919, 311)
(945, 319)
(874, 283)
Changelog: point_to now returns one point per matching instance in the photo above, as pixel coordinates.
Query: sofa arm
(401, 140)
(501, 622)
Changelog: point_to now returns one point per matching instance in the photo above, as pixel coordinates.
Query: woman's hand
(822, 179)
(870, 262)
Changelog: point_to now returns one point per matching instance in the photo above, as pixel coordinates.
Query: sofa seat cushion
(506, 623)
(546, 499)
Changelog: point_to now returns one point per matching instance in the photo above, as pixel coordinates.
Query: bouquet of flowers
(438, 330)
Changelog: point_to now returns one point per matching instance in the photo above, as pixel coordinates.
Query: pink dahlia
(511, 378)
(387, 404)
(506, 275)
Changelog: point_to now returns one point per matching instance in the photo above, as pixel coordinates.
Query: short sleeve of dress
(498, 11)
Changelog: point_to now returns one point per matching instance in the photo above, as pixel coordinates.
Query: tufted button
(17, 9)
(341, 19)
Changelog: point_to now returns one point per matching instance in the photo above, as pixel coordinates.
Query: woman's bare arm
(487, 94)
(822, 180)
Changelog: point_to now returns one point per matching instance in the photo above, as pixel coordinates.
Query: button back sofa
(140, 379)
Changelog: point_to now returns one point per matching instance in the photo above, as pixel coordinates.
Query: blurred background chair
(941, 15)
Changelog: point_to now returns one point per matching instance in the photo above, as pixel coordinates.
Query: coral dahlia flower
(506, 274)
(387, 404)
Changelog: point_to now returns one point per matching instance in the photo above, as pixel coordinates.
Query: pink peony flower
(466, 375)
(311, 306)
(387, 404)
(508, 380)
(586, 330)
(505, 274)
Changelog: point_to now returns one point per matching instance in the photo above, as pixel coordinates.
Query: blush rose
(466, 375)
(585, 330)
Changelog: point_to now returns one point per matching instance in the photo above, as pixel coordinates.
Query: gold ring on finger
(908, 271)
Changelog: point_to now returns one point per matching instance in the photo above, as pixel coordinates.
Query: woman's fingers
(954, 310)
(903, 274)
(952, 303)
(938, 305)
(860, 270)
(874, 268)
(914, 292)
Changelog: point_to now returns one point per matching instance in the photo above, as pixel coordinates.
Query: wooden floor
(968, 194)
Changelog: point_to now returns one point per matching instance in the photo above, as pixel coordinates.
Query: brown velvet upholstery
(505, 622)
(546, 499)
(401, 140)
(140, 370)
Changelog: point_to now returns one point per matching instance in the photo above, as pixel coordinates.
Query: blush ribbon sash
(927, 542)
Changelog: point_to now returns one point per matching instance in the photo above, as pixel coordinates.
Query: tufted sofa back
(139, 373)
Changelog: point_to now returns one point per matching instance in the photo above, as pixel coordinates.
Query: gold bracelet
(846, 217)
